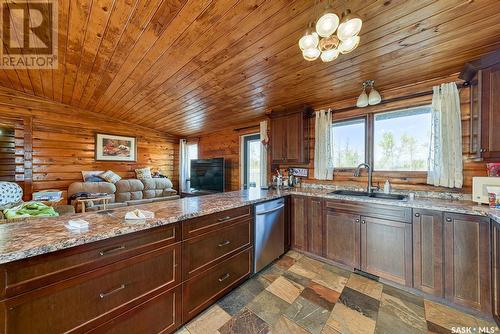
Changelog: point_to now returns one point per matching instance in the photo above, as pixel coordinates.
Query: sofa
(127, 192)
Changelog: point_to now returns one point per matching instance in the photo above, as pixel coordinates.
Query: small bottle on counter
(387, 187)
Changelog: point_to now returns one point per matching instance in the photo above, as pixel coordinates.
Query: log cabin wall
(63, 138)
(226, 144)
(400, 180)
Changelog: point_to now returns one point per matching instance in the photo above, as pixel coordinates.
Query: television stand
(195, 193)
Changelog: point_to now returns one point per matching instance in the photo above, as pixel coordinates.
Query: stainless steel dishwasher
(269, 232)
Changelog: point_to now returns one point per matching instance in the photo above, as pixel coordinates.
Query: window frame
(369, 117)
(362, 117)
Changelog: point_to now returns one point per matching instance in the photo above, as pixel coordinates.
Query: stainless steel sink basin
(365, 194)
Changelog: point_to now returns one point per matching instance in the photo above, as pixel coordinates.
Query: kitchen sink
(395, 197)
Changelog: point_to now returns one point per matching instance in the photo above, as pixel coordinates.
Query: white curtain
(183, 165)
(264, 140)
(445, 152)
(323, 160)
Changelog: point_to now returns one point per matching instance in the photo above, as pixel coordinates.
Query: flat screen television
(207, 174)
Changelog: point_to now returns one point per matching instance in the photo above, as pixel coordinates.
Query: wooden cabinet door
(496, 271)
(467, 261)
(294, 145)
(278, 139)
(386, 249)
(428, 266)
(342, 238)
(299, 223)
(314, 212)
(490, 104)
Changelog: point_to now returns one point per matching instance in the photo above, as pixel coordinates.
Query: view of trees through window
(348, 143)
(401, 139)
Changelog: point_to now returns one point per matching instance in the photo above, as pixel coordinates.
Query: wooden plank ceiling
(193, 66)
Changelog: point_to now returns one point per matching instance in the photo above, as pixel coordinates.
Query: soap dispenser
(387, 187)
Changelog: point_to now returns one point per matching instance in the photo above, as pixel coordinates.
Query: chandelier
(368, 99)
(321, 40)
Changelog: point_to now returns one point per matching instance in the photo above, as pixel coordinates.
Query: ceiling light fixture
(372, 98)
(320, 39)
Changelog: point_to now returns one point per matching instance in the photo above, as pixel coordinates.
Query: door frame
(244, 139)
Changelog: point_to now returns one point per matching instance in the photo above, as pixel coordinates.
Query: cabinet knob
(363, 222)
(448, 219)
(357, 220)
(417, 215)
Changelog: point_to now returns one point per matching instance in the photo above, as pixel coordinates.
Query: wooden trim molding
(28, 157)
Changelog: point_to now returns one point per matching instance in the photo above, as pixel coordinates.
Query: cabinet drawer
(396, 213)
(29, 274)
(160, 314)
(202, 290)
(201, 252)
(205, 224)
(95, 296)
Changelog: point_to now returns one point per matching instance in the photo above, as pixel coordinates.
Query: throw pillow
(143, 173)
(92, 176)
(110, 176)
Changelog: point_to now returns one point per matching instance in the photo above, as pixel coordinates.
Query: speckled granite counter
(29, 238)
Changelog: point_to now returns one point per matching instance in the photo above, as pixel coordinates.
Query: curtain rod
(246, 127)
(397, 99)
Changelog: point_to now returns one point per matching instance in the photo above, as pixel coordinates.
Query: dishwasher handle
(270, 210)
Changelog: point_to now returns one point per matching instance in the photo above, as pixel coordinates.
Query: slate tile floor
(300, 295)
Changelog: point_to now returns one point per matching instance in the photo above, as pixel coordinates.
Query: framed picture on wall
(115, 148)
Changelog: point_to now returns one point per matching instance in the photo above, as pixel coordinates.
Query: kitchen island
(117, 275)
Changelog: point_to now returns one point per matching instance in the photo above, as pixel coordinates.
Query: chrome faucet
(357, 173)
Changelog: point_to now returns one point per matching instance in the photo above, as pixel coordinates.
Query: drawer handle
(106, 294)
(417, 215)
(224, 243)
(111, 250)
(220, 220)
(224, 277)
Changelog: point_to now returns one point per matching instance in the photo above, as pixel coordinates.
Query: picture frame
(110, 147)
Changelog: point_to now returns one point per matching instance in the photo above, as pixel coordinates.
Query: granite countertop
(23, 239)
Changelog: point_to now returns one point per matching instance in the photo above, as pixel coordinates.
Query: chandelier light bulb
(311, 54)
(362, 99)
(327, 24)
(350, 26)
(349, 44)
(329, 43)
(374, 97)
(329, 55)
(308, 41)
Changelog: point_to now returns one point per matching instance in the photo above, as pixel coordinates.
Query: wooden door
(386, 249)
(490, 104)
(428, 265)
(278, 139)
(342, 238)
(299, 223)
(467, 261)
(496, 272)
(314, 212)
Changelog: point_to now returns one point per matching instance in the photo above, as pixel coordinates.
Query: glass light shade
(309, 41)
(350, 26)
(374, 97)
(329, 43)
(330, 55)
(349, 44)
(327, 24)
(362, 100)
(311, 54)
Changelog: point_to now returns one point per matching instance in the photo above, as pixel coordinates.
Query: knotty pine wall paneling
(63, 138)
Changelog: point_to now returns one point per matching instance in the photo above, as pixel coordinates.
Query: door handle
(224, 277)
(224, 243)
(103, 295)
(270, 210)
(111, 250)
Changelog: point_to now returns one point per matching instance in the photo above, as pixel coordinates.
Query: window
(401, 139)
(348, 139)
